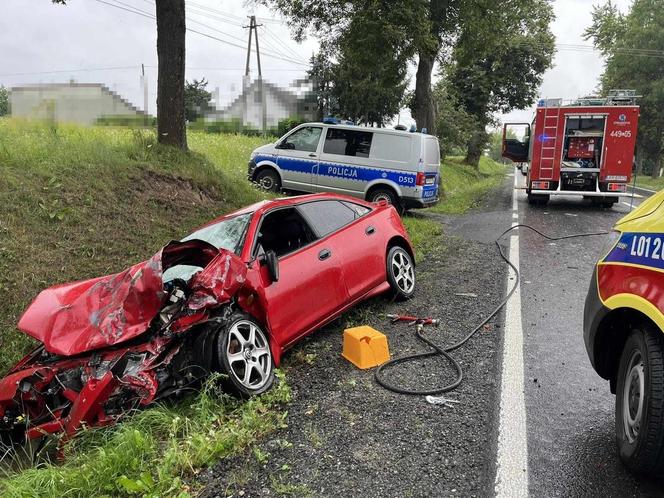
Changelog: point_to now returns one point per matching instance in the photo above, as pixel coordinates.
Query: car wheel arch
(263, 167)
(400, 241)
(382, 184)
(612, 333)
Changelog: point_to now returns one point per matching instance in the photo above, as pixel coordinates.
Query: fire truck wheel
(640, 403)
(538, 199)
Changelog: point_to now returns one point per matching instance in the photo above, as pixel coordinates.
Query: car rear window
(328, 216)
(348, 142)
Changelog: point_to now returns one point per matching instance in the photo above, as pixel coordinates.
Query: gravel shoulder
(346, 436)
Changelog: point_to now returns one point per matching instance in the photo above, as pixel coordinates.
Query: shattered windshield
(226, 234)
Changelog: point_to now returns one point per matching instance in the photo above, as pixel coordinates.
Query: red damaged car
(229, 298)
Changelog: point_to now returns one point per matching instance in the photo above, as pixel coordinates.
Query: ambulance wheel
(244, 357)
(400, 273)
(269, 180)
(640, 403)
(378, 194)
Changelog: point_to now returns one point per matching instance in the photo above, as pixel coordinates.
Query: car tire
(268, 180)
(385, 194)
(400, 273)
(640, 403)
(242, 346)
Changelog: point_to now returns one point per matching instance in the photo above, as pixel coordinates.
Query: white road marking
(512, 457)
(628, 204)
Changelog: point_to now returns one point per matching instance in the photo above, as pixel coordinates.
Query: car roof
(263, 206)
(371, 129)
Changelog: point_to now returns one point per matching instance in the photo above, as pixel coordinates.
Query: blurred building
(81, 103)
(296, 101)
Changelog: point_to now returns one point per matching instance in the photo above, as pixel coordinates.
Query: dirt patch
(165, 189)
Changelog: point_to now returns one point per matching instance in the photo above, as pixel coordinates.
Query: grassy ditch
(650, 183)
(464, 186)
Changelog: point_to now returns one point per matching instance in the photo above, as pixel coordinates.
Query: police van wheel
(269, 180)
(385, 194)
(640, 403)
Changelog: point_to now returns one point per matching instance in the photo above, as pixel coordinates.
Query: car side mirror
(286, 145)
(272, 262)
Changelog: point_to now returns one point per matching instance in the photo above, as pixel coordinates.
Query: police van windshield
(305, 139)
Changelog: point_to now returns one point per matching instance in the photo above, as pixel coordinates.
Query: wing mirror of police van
(286, 145)
(271, 260)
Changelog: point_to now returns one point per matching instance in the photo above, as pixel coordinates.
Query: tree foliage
(4, 101)
(360, 72)
(196, 99)
(634, 46)
(498, 61)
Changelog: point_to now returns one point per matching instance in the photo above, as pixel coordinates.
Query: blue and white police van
(374, 164)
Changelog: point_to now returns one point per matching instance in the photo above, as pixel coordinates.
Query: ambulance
(624, 332)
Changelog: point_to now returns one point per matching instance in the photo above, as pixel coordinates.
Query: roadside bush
(132, 120)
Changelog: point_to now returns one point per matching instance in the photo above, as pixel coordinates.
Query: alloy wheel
(248, 354)
(403, 271)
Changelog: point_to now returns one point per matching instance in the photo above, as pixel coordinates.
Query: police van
(400, 167)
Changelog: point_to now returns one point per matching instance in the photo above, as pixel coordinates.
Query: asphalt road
(569, 408)
(346, 436)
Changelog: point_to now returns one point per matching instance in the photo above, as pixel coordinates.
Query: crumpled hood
(82, 316)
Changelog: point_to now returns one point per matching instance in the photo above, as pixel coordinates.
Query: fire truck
(585, 148)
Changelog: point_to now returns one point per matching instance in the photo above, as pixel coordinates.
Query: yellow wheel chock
(365, 347)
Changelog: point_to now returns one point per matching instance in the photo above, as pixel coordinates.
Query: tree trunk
(422, 107)
(171, 122)
(474, 148)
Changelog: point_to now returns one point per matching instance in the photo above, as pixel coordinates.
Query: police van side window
(305, 139)
(348, 142)
(327, 216)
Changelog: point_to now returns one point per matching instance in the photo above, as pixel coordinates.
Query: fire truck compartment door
(516, 141)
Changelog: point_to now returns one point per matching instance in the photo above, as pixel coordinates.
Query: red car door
(311, 287)
(359, 239)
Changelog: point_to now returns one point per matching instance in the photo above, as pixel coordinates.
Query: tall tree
(442, 17)
(633, 44)
(320, 73)
(370, 76)
(171, 29)
(171, 121)
(196, 99)
(417, 23)
(498, 61)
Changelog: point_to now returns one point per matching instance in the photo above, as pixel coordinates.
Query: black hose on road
(446, 350)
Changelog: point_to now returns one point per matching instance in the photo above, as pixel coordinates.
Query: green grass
(153, 453)
(650, 183)
(464, 186)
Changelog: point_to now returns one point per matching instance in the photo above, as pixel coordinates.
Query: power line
(117, 68)
(207, 35)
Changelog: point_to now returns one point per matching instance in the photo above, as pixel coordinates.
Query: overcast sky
(93, 42)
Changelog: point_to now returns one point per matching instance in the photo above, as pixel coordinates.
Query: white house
(81, 103)
(280, 103)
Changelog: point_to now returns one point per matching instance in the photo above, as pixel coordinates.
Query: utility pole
(253, 30)
(144, 83)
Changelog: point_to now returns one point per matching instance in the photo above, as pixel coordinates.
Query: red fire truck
(585, 148)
